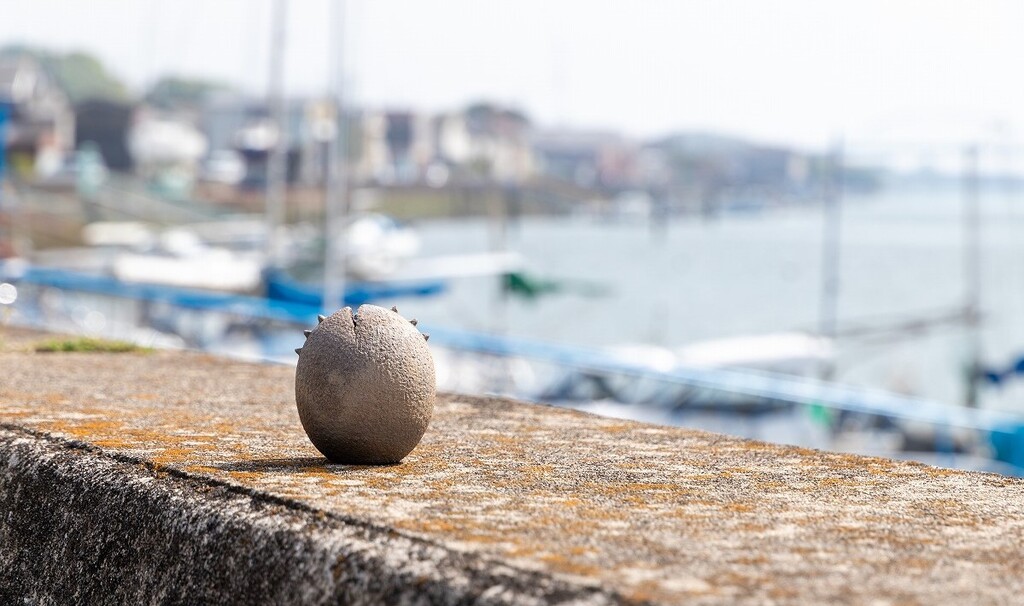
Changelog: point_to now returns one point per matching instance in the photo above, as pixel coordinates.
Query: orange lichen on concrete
(652, 513)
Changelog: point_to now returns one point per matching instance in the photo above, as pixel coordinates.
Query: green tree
(81, 75)
(179, 91)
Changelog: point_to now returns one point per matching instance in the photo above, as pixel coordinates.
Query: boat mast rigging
(336, 190)
(277, 154)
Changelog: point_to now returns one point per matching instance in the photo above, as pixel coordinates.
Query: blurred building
(482, 142)
(41, 121)
(490, 144)
(166, 149)
(591, 159)
(396, 147)
(710, 172)
(242, 125)
(107, 124)
(498, 143)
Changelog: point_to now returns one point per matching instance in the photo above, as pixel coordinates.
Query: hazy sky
(803, 71)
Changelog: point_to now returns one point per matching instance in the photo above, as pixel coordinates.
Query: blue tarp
(255, 307)
(300, 305)
(281, 287)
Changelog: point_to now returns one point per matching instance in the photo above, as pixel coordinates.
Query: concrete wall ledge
(87, 527)
(168, 477)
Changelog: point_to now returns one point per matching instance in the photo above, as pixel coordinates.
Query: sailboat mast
(828, 317)
(276, 169)
(972, 272)
(335, 195)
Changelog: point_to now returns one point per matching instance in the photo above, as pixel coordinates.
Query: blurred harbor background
(828, 255)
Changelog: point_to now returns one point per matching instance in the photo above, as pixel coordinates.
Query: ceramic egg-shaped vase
(365, 386)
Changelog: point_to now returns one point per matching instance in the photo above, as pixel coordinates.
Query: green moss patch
(88, 344)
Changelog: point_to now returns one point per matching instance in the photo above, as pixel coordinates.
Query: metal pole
(336, 198)
(276, 170)
(828, 318)
(498, 197)
(3, 151)
(972, 272)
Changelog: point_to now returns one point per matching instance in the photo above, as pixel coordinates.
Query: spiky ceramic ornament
(364, 385)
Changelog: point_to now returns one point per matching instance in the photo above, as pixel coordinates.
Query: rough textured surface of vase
(365, 386)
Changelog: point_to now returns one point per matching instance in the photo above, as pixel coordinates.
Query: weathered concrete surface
(179, 477)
